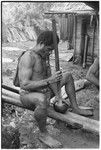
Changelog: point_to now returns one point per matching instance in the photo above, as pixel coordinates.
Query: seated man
(93, 77)
(38, 85)
(93, 73)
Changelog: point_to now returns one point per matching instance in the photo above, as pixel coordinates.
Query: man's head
(46, 38)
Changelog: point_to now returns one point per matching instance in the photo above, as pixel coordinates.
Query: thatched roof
(71, 7)
(93, 4)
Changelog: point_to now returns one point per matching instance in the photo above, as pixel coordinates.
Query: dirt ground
(24, 120)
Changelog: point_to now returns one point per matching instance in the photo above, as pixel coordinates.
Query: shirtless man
(93, 73)
(38, 85)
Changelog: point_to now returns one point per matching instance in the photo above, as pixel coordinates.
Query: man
(38, 86)
(93, 77)
(93, 73)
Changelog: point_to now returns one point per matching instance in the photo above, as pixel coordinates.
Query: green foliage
(19, 16)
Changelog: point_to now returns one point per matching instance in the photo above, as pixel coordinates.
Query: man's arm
(26, 74)
(93, 70)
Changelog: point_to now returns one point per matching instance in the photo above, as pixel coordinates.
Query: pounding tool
(59, 105)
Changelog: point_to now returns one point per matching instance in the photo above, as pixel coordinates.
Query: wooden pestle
(57, 65)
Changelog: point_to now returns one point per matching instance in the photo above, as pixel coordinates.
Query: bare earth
(23, 119)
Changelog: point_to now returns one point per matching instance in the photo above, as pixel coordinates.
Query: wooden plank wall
(96, 40)
(90, 29)
(78, 34)
(66, 27)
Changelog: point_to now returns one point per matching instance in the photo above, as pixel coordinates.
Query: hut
(79, 24)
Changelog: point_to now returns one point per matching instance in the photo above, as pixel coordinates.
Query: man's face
(46, 51)
(49, 49)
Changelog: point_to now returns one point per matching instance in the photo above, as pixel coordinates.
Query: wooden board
(70, 118)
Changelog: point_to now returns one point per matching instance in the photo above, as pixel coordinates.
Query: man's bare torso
(33, 61)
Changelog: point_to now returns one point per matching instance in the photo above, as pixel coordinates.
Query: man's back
(93, 73)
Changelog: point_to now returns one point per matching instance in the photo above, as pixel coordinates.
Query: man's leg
(68, 82)
(40, 113)
(38, 103)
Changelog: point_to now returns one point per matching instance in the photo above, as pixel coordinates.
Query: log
(79, 84)
(13, 88)
(70, 118)
(51, 112)
(88, 124)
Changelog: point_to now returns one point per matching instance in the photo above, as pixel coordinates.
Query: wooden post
(75, 21)
(66, 15)
(83, 31)
(85, 51)
(93, 42)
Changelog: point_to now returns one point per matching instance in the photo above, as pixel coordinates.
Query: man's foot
(84, 112)
(49, 141)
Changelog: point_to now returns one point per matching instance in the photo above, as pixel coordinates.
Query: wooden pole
(74, 38)
(57, 65)
(85, 51)
(72, 119)
(93, 42)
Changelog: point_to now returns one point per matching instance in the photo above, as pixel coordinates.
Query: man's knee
(43, 100)
(40, 112)
(68, 77)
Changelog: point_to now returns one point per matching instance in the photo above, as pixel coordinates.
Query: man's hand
(57, 76)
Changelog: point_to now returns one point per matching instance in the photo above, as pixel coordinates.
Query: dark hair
(46, 38)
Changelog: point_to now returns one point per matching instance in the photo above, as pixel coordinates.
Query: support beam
(70, 118)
